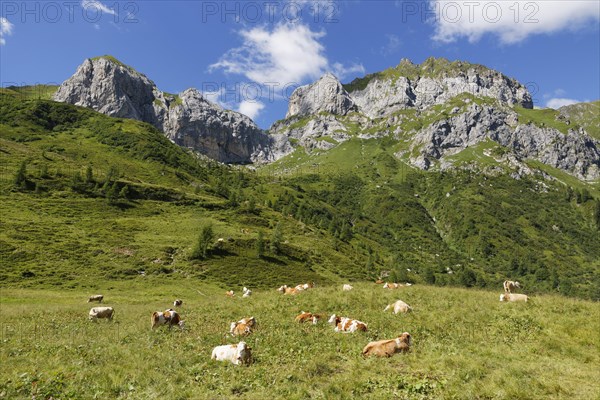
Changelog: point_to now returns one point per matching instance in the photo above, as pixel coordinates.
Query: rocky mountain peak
(325, 95)
(107, 85)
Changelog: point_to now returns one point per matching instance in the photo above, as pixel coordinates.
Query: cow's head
(503, 297)
(282, 288)
(334, 319)
(405, 338)
(517, 284)
(181, 324)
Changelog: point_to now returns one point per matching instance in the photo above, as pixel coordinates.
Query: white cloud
(97, 6)
(512, 21)
(287, 54)
(558, 102)
(284, 55)
(6, 28)
(251, 108)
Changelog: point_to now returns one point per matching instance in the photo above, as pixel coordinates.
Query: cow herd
(240, 353)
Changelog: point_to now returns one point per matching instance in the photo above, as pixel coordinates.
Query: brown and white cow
(229, 293)
(243, 327)
(177, 303)
(101, 312)
(305, 286)
(246, 292)
(238, 354)
(96, 297)
(389, 285)
(169, 317)
(285, 289)
(308, 317)
(347, 325)
(399, 307)
(509, 286)
(514, 297)
(387, 348)
(379, 282)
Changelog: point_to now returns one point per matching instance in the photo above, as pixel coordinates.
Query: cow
(387, 348)
(243, 327)
(307, 316)
(177, 303)
(399, 307)
(513, 297)
(229, 293)
(305, 286)
(392, 285)
(509, 286)
(96, 297)
(169, 317)
(379, 282)
(347, 325)
(247, 292)
(288, 290)
(347, 287)
(101, 312)
(238, 354)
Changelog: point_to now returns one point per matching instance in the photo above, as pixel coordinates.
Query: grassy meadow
(466, 344)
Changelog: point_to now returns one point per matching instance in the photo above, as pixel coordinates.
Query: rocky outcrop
(434, 82)
(574, 152)
(188, 119)
(325, 95)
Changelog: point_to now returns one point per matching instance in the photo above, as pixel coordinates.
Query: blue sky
(251, 54)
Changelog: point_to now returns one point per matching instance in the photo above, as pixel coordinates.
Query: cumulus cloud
(6, 28)
(97, 6)
(558, 102)
(285, 54)
(251, 108)
(511, 21)
(392, 45)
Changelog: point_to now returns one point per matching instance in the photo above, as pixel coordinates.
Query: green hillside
(466, 345)
(85, 196)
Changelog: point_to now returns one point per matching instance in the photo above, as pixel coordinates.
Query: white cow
(514, 297)
(399, 307)
(247, 292)
(347, 287)
(101, 312)
(236, 353)
(96, 297)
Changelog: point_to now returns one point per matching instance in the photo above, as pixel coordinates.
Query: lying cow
(96, 297)
(379, 282)
(392, 285)
(513, 297)
(288, 290)
(305, 286)
(169, 317)
(243, 327)
(236, 353)
(399, 307)
(509, 286)
(347, 325)
(177, 303)
(229, 293)
(247, 292)
(101, 312)
(307, 316)
(387, 348)
(347, 287)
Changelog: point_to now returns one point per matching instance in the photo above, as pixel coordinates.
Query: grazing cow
(399, 307)
(236, 353)
(347, 287)
(347, 325)
(307, 316)
(392, 285)
(387, 348)
(169, 317)
(177, 303)
(101, 312)
(96, 297)
(229, 293)
(247, 292)
(243, 327)
(288, 290)
(509, 286)
(513, 297)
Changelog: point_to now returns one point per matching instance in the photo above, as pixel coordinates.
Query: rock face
(325, 95)
(188, 119)
(435, 82)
